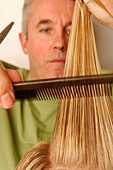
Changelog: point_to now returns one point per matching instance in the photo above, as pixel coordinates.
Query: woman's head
(37, 158)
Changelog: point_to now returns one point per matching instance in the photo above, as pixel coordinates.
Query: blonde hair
(83, 134)
(38, 157)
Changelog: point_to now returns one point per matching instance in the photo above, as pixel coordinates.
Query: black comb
(51, 89)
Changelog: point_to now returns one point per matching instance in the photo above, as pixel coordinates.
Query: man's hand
(102, 10)
(7, 96)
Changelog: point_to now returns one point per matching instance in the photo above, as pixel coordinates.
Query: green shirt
(24, 125)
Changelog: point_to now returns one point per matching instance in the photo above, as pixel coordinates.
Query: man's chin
(56, 75)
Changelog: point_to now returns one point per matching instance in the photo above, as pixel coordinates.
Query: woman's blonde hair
(83, 134)
(38, 157)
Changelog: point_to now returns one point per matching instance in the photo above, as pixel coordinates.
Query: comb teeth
(65, 92)
(74, 87)
(79, 91)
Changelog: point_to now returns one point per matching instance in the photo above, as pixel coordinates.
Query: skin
(102, 10)
(46, 44)
(48, 29)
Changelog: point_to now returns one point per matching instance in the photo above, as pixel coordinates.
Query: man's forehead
(52, 6)
(50, 1)
(50, 9)
(28, 1)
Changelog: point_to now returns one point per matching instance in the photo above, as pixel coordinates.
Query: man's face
(48, 35)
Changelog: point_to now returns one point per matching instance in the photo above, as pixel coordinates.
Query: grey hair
(26, 15)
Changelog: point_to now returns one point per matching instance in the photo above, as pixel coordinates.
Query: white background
(10, 49)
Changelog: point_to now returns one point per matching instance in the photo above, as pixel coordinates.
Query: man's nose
(59, 42)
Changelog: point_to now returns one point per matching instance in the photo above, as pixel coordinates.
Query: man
(46, 29)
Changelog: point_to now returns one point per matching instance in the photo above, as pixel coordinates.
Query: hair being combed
(83, 134)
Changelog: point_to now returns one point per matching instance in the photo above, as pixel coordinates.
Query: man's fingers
(108, 5)
(14, 75)
(7, 100)
(7, 96)
(99, 12)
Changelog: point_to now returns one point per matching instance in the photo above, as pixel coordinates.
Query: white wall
(104, 41)
(10, 49)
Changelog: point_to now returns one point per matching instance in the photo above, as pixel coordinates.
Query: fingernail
(7, 100)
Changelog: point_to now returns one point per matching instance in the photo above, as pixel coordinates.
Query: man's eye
(68, 32)
(45, 30)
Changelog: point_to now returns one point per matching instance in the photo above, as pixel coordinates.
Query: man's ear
(23, 41)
